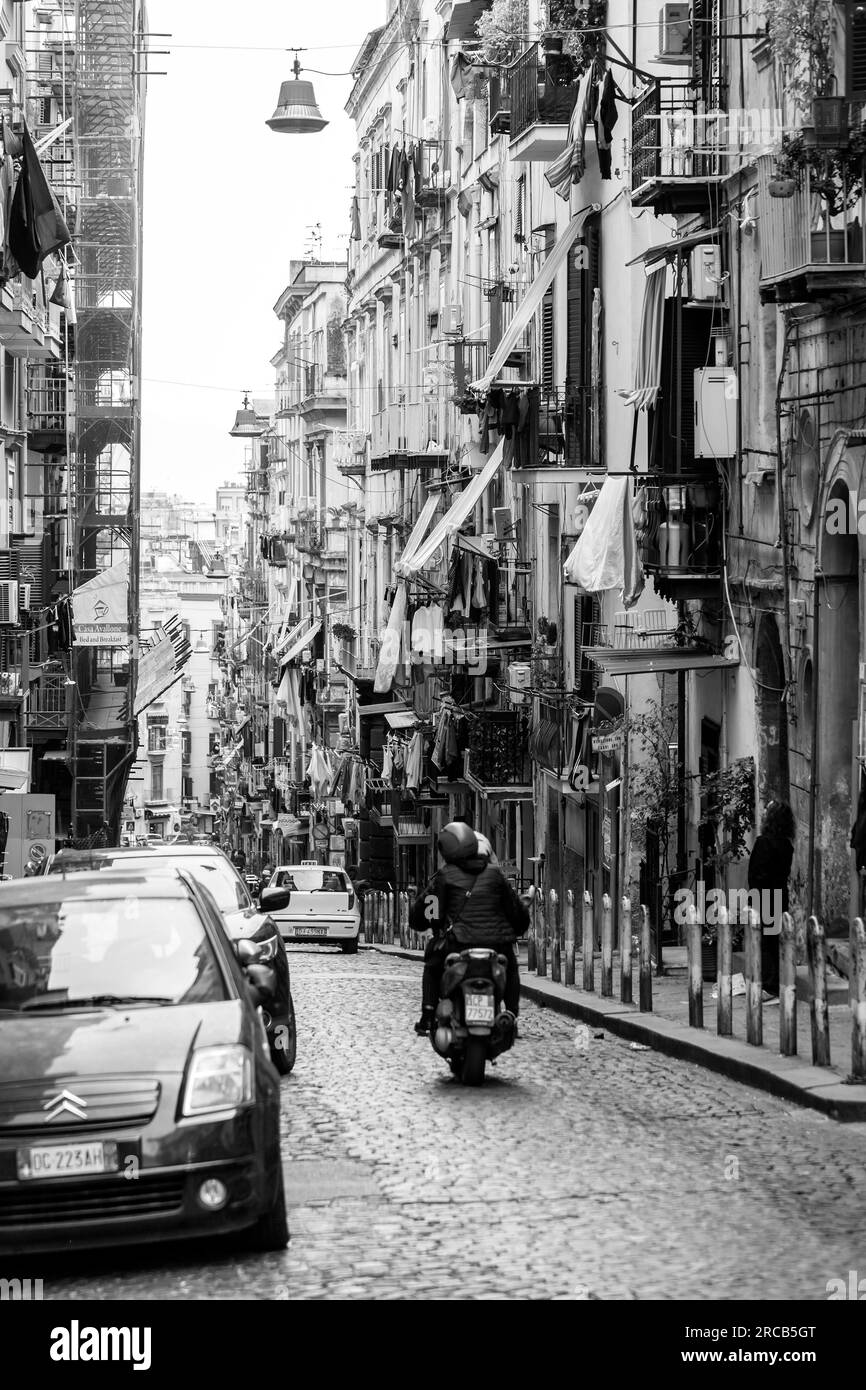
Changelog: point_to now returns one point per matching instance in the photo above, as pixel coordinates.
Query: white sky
(227, 204)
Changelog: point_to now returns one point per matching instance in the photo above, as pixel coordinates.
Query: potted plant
(802, 34)
(502, 32)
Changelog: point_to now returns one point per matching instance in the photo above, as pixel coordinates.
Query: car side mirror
(275, 899)
(248, 952)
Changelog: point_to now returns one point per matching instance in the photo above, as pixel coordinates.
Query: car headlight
(267, 945)
(219, 1079)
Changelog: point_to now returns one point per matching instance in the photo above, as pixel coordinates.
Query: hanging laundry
(391, 649)
(604, 120)
(355, 220)
(36, 225)
(407, 193)
(415, 761)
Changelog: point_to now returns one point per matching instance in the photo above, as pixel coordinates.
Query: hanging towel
(355, 219)
(604, 120)
(36, 226)
(415, 761)
(606, 555)
(392, 644)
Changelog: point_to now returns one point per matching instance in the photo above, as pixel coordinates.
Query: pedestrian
(768, 873)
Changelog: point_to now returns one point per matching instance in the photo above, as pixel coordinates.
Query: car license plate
(310, 931)
(479, 1008)
(66, 1160)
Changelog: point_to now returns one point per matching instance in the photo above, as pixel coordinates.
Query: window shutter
(547, 342)
(520, 210)
(697, 323)
(700, 43)
(855, 85)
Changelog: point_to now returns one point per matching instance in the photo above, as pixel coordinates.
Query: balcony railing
(407, 435)
(813, 241)
(682, 545)
(499, 104)
(498, 755)
(46, 403)
(677, 148)
(540, 93)
(470, 363)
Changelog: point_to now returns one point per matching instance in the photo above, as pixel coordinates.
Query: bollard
(646, 961)
(404, 917)
(696, 976)
(569, 937)
(857, 999)
(754, 1006)
(787, 988)
(606, 948)
(532, 934)
(389, 917)
(541, 938)
(817, 953)
(725, 1010)
(588, 944)
(555, 950)
(380, 917)
(625, 981)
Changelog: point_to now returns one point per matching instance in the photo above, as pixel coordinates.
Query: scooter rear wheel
(474, 1062)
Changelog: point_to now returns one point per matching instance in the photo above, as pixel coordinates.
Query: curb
(789, 1078)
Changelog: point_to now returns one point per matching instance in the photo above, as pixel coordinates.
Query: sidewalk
(667, 1030)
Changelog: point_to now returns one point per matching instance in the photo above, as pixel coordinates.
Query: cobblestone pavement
(582, 1169)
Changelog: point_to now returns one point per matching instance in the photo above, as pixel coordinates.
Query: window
(156, 735)
(157, 785)
(855, 81)
(186, 747)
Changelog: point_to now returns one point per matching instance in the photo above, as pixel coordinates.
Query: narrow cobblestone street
(594, 1172)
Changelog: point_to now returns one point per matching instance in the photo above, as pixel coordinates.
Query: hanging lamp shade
(246, 425)
(297, 112)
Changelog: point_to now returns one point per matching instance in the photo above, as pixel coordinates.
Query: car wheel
(349, 948)
(271, 1231)
(284, 1048)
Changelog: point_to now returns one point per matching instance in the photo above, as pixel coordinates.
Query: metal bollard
(696, 975)
(857, 999)
(532, 935)
(625, 981)
(646, 961)
(569, 937)
(816, 950)
(389, 917)
(787, 988)
(724, 966)
(754, 991)
(379, 916)
(541, 938)
(555, 950)
(588, 944)
(606, 948)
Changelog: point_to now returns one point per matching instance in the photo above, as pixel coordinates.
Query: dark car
(216, 872)
(138, 1100)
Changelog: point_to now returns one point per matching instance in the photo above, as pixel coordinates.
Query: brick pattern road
(582, 1169)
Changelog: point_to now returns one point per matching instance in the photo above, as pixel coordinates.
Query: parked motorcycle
(471, 1027)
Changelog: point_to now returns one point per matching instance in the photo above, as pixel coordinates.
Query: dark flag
(36, 226)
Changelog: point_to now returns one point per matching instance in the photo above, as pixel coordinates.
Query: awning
(419, 530)
(55, 755)
(666, 250)
(454, 517)
(406, 719)
(648, 363)
(300, 643)
(533, 297)
(605, 556)
(634, 663)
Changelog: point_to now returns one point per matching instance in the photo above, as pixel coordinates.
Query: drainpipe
(812, 897)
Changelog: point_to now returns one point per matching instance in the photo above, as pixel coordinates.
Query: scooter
(471, 1027)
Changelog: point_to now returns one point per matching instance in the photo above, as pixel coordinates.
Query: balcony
(324, 395)
(408, 436)
(360, 663)
(470, 363)
(22, 325)
(542, 96)
(809, 251)
(499, 104)
(649, 641)
(497, 761)
(678, 151)
(350, 452)
(682, 546)
(46, 411)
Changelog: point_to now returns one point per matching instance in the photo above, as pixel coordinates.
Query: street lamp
(297, 112)
(246, 425)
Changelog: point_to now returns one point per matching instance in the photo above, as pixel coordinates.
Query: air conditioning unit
(705, 271)
(9, 602)
(451, 321)
(24, 598)
(503, 523)
(674, 30)
(715, 413)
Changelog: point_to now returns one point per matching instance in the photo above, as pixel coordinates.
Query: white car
(316, 903)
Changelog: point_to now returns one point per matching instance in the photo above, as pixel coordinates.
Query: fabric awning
(648, 363)
(419, 530)
(300, 643)
(455, 516)
(533, 297)
(666, 250)
(606, 556)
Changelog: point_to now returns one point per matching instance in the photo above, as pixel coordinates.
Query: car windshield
(128, 950)
(319, 880)
(212, 870)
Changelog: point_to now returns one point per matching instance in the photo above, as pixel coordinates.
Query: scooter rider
(468, 902)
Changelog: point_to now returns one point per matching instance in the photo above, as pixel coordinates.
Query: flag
(36, 225)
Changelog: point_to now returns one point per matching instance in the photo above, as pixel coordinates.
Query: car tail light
(351, 899)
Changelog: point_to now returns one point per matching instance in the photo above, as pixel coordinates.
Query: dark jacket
(770, 866)
(475, 900)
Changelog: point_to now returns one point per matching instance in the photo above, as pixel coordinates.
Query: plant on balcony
(502, 32)
(569, 29)
(344, 632)
(837, 175)
(802, 33)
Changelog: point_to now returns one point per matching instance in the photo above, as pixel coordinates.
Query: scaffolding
(107, 112)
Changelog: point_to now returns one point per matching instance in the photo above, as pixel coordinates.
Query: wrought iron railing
(498, 753)
(540, 93)
(673, 136)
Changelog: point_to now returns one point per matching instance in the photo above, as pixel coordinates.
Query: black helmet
(457, 842)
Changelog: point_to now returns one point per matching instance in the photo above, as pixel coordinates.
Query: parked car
(316, 903)
(138, 1100)
(215, 870)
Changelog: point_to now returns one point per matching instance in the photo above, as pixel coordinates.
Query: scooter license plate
(479, 1008)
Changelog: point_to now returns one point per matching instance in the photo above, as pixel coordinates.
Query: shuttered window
(584, 267)
(587, 616)
(520, 209)
(694, 352)
(855, 83)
